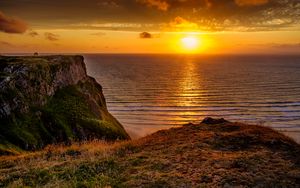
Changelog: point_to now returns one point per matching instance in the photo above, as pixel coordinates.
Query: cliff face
(51, 99)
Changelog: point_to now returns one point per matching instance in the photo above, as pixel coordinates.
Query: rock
(212, 121)
(50, 99)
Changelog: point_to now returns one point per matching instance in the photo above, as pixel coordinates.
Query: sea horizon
(96, 65)
(140, 107)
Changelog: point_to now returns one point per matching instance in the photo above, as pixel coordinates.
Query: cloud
(159, 4)
(287, 46)
(251, 2)
(108, 4)
(33, 33)
(183, 24)
(51, 36)
(224, 15)
(152, 15)
(7, 44)
(146, 35)
(115, 26)
(100, 34)
(12, 25)
(165, 5)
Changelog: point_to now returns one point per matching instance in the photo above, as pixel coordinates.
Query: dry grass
(14, 170)
(215, 155)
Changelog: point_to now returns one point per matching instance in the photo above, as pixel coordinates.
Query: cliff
(51, 99)
(214, 153)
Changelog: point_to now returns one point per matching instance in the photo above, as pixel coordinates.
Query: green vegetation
(167, 158)
(89, 174)
(45, 107)
(69, 107)
(65, 118)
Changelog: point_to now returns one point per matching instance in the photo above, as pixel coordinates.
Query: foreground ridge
(214, 153)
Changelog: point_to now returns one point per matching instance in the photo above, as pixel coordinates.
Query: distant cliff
(51, 99)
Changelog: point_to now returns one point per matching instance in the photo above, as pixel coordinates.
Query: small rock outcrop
(212, 121)
(50, 99)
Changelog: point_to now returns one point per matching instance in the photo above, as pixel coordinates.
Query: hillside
(214, 153)
(51, 99)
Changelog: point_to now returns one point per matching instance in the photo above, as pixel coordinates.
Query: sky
(150, 26)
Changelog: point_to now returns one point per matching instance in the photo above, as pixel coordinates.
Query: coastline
(213, 153)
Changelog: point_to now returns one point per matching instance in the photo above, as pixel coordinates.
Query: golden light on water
(189, 91)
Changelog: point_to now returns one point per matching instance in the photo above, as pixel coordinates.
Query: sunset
(150, 93)
(190, 43)
(105, 26)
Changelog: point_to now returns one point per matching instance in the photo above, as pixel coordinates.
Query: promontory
(51, 99)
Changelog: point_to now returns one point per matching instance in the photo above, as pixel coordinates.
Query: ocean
(147, 93)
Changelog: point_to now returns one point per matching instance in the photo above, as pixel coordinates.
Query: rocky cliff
(51, 99)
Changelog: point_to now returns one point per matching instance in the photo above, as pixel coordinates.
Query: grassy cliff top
(215, 153)
(39, 59)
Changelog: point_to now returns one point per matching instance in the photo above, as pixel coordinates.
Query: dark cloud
(165, 5)
(51, 36)
(159, 4)
(146, 35)
(251, 2)
(254, 15)
(141, 15)
(33, 33)
(11, 25)
(108, 4)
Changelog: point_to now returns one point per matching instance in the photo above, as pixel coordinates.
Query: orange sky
(150, 26)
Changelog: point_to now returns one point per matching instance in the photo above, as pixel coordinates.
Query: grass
(81, 164)
(167, 158)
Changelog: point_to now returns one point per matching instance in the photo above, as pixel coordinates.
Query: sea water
(147, 93)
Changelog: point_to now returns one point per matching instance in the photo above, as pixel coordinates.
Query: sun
(190, 43)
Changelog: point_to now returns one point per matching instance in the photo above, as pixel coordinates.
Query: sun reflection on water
(188, 91)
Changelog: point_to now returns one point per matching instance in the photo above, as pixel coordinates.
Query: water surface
(151, 92)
